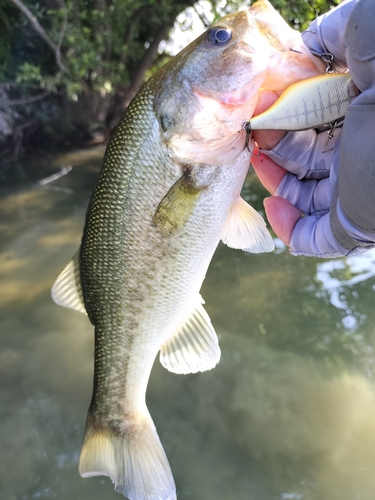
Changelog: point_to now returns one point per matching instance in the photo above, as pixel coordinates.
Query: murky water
(289, 413)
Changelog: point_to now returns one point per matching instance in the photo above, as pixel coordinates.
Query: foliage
(101, 47)
(94, 50)
(300, 13)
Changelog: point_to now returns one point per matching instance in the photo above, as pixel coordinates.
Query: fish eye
(219, 35)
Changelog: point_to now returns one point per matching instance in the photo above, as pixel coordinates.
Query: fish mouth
(235, 98)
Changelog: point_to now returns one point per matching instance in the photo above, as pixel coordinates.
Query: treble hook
(247, 128)
(330, 132)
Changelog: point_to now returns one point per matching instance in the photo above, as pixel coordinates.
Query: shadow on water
(289, 413)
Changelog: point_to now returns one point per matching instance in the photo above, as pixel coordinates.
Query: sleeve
(353, 206)
(326, 35)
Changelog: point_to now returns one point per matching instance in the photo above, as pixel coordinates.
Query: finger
(266, 139)
(270, 173)
(282, 216)
(308, 195)
(265, 99)
(313, 236)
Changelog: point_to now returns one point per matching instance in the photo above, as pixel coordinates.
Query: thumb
(282, 216)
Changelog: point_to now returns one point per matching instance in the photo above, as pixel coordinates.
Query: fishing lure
(307, 104)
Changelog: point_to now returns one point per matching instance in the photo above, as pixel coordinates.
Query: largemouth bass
(168, 191)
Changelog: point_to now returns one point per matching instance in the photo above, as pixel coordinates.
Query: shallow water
(289, 413)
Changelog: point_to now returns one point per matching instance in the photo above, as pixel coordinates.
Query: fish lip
(237, 97)
(248, 49)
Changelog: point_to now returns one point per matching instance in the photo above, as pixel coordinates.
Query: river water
(288, 414)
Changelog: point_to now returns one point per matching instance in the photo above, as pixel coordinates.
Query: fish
(308, 104)
(168, 192)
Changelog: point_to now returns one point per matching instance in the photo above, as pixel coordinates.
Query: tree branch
(27, 100)
(61, 38)
(133, 21)
(41, 32)
(147, 61)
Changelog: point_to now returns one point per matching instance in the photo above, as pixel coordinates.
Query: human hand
(323, 195)
(281, 213)
(303, 190)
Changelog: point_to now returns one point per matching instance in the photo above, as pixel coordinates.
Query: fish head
(289, 60)
(207, 90)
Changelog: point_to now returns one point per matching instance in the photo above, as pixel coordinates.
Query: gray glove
(333, 183)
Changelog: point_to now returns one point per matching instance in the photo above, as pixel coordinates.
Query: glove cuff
(341, 233)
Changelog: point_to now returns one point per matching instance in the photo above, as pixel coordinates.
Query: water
(289, 413)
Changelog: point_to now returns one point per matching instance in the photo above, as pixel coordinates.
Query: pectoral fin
(245, 229)
(177, 205)
(67, 291)
(194, 347)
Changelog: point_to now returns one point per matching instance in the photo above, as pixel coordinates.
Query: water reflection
(339, 276)
(289, 413)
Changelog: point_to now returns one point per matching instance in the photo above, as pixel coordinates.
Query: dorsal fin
(194, 347)
(67, 290)
(245, 229)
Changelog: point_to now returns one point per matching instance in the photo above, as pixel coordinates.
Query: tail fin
(132, 456)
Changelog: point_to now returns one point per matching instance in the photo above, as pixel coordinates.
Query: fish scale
(170, 273)
(168, 192)
(125, 290)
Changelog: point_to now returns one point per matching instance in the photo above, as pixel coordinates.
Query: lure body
(308, 104)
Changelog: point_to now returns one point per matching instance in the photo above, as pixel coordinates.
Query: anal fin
(194, 347)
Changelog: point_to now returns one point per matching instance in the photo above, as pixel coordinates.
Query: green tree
(81, 61)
